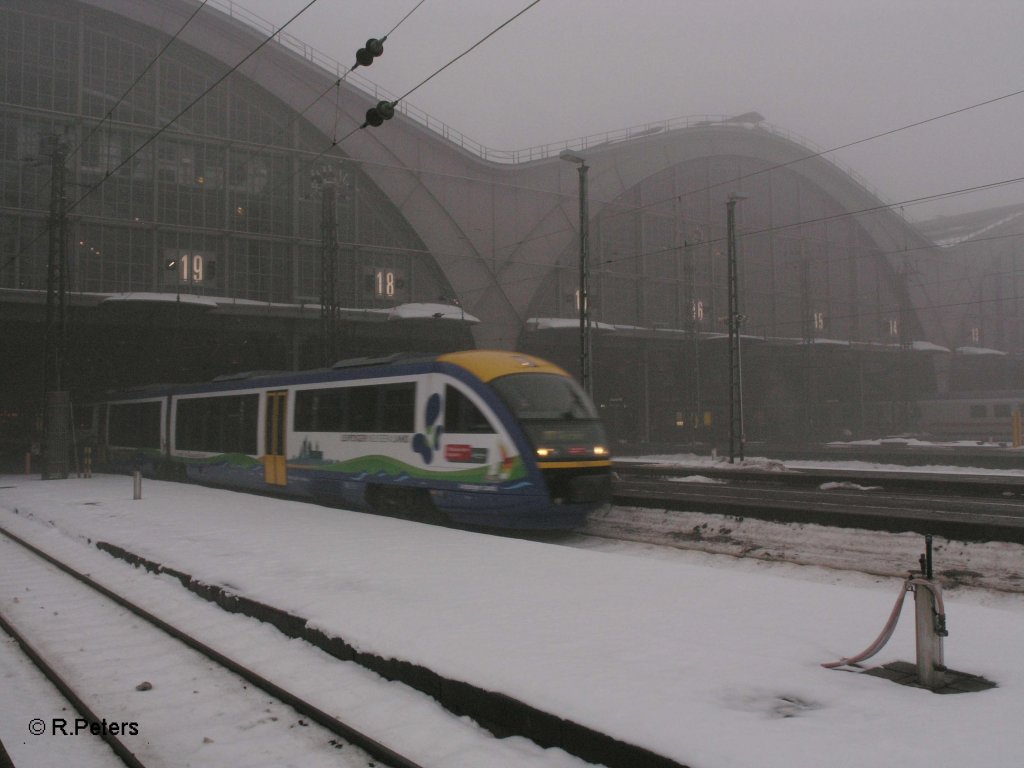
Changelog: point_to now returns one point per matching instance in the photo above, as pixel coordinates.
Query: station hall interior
(178, 238)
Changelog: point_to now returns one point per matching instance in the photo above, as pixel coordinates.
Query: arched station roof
(498, 225)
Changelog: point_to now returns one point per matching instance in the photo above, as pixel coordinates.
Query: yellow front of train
(566, 439)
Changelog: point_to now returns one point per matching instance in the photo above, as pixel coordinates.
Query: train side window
(223, 424)
(398, 407)
(240, 422)
(461, 416)
(362, 410)
(190, 423)
(384, 408)
(320, 410)
(306, 408)
(134, 425)
(1001, 410)
(979, 411)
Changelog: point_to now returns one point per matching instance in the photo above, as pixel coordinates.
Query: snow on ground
(697, 479)
(712, 661)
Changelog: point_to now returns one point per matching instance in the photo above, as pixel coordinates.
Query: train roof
(485, 365)
(489, 364)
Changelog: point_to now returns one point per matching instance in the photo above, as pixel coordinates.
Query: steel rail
(974, 521)
(373, 747)
(51, 674)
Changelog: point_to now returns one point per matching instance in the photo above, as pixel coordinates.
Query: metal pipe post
(584, 289)
(585, 341)
(931, 665)
(735, 320)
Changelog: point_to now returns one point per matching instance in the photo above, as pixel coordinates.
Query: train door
(275, 457)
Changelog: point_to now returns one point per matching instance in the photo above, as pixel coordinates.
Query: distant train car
(485, 438)
(971, 417)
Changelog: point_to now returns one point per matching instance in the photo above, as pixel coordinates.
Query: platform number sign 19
(188, 268)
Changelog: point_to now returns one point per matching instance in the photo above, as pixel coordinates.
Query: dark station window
(224, 424)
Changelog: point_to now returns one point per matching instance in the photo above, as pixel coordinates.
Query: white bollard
(137, 485)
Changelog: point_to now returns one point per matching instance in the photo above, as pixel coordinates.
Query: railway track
(968, 509)
(156, 694)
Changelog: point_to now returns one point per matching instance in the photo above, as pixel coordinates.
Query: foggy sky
(829, 71)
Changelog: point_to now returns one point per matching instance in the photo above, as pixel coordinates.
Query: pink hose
(890, 626)
(883, 638)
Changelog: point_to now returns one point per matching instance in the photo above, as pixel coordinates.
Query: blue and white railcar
(486, 438)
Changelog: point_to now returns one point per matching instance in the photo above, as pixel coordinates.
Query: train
(480, 438)
(980, 417)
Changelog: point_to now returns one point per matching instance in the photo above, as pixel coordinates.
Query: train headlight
(545, 452)
(600, 450)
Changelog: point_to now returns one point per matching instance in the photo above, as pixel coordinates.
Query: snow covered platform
(710, 662)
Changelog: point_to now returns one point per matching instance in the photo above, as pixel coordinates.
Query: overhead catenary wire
(392, 104)
(402, 20)
(471, 48)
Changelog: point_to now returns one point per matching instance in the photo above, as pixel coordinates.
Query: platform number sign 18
(386, 283)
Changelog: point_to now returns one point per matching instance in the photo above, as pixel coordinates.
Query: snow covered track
(79, 622)
(961, 509)
(500, 714)
(81, 708)
(270, 640)
(995, 565)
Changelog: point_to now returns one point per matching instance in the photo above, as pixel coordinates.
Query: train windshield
(554, 411)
